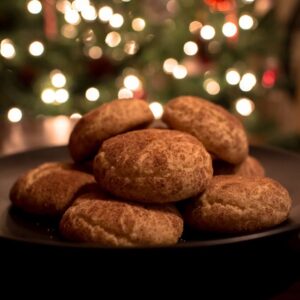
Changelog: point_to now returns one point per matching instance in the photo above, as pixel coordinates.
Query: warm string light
(61, 96)
(82, 8)
(92, 94)
(131, 47)
(75, 116)
(207, 32)
(113, 39)
(179, 72)
(14, 115)
(244, 106)
(125, 93)
(63, 5)
(157, 109)
(169, 65)
(34, 7)
(89, 13)
(247, 82)
(211, 86)
(105, 13)
(72, 17)
(69, 31)
(36, 48)
(229, 29)
(58, 79)
(132, 82)
(195, 26)
(138, 24)
(232, 76)
(246, 22)
(116, 21)
(7, 49)
(190, 48)
(48, 96)
(51, 96)
(95, 52)
(80, 5)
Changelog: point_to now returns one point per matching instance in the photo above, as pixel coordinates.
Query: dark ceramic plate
(15, 226)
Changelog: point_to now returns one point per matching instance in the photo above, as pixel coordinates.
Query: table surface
(54, 131)
(32, 134)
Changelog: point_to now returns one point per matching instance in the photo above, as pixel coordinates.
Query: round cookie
(104, 122)
(98, 218)
(249, 167)
(235, 204)
(221, 133)
(153, 165)
(50, 188)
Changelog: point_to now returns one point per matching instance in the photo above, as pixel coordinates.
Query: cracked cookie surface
(233, 204)
(107, 120)
(222, 134)
(98, 218)
(153, 166)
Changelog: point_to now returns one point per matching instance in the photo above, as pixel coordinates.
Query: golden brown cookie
(104, 122)
(153, 165)
(221, 133)
(50, 188)
(98, 218)
(249, 167)
(235, 204)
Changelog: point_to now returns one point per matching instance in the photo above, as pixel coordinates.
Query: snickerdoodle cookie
(98, 218)
(49, 188)
(153, 165)
(235, 204)
(104, 122)
(221, 133)
(249, 167)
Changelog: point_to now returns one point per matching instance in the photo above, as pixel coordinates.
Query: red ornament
(269, 78)
(50, 21)
(221, 5)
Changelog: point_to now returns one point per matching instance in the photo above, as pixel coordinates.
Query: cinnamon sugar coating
(221, 133)
(106, 121)
(153, 165)
(99, 218)
(235, 204)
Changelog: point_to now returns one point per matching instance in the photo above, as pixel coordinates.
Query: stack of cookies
(127, 177)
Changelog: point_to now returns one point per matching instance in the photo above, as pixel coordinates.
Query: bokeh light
(36, 48)
(246, 22)
(229, 29)
(244, 106)
(211, 86)
(34, 7)
(138, 24)
(233, 77)
(14, 115)
(7, 49)
(157, 109)
(92, 94)
(190, 48)
(132, 82)
(207, 32)
(113, 39)
(247, 82)
(125, 93)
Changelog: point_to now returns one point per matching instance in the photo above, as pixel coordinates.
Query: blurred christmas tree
(63, 57)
